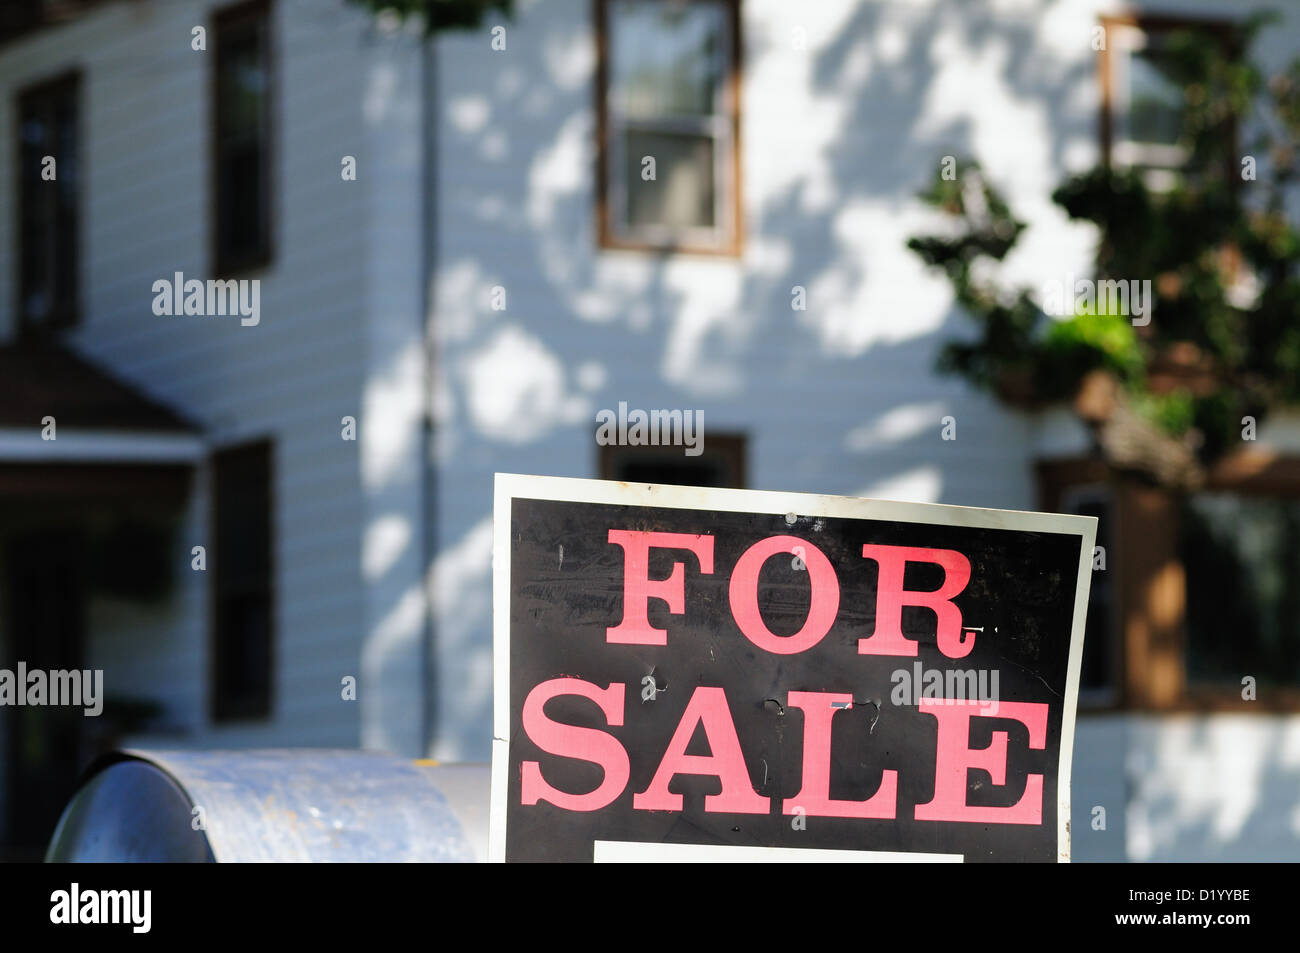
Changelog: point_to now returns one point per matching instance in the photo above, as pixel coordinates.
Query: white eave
(26, 445)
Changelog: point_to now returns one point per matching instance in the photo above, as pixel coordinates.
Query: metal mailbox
(298, 805)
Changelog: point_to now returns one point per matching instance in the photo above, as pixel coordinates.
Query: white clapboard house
(457, 271)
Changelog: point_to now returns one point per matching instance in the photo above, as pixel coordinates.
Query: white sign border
(511, 486)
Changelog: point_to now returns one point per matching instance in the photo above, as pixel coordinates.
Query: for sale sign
(686, 673)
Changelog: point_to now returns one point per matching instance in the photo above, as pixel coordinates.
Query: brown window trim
(1151, 586)
(223, 17)
(67, 79)
(1224, 29)
(607, 238)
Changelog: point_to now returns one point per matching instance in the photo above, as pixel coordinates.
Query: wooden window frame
(1151, 584)
(69, 80)
(608, 235)
(1107, 65)
(222, 709)
(223, 264)
(1251, 473)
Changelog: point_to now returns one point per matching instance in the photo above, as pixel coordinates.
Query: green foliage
(1222, 256)
(1174, 412)
(1105, 340)
(439, 15)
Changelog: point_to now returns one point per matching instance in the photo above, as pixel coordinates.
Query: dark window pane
(721, 464)
(242, 112)
(1242, 560)
(675, 472)
(243, 572)
(242, 86)
(48, 239)
(241, 220)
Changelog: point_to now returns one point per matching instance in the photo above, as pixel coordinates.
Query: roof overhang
(70, 430)
(27, 445)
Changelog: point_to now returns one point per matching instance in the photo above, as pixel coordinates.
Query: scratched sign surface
(687, 673)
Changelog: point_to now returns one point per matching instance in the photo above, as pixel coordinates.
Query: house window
(722, 464)
(669, 128)
(1144, 95)
(241, 138)
(1198, 591)
(243, 592)
(49, 183)
(1241, 555)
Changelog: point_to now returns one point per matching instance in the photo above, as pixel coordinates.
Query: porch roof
(42, 379)
(112, 443)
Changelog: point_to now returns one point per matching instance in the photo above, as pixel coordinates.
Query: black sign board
(687, 673)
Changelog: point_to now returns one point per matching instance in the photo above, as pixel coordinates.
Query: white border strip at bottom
(633, 852)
